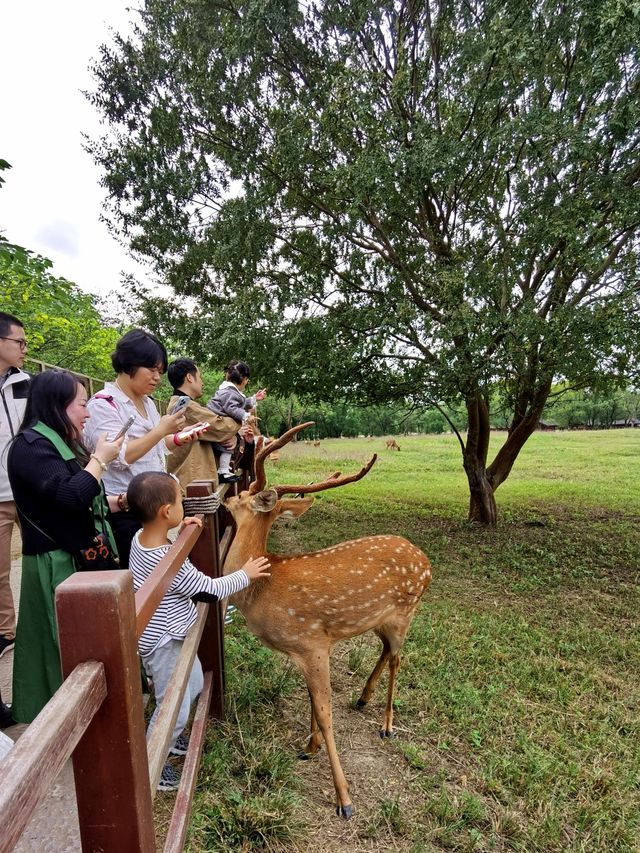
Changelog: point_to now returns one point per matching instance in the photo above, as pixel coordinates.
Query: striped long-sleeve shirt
(176, 612)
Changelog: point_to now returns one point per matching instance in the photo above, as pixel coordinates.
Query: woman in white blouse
(139, 361)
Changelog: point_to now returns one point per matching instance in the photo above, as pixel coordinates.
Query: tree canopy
(62, 324)
(433, 201)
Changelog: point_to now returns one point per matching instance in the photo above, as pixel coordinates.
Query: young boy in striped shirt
(154, 497)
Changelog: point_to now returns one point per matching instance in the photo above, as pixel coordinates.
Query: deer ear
(264, 501)
(294, 507)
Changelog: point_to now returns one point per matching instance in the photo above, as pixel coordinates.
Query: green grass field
(518, 702)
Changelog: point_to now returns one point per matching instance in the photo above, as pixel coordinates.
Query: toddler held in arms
(230, 400)
(155, 499)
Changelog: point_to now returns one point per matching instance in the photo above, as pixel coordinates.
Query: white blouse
(109, 411)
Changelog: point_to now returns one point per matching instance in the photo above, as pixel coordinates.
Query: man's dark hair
(7, 321)
(149, 491)
(138, 349)
(178, 369)
(236, 371)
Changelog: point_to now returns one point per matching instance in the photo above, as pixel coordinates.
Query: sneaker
(170, 779)
(6, 719)
(228, 478)
(228, 616)
(180, 746)
(5, 644)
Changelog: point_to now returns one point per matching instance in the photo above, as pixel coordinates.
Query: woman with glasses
(139, 361)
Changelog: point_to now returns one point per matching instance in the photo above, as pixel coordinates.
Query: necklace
(138, 403)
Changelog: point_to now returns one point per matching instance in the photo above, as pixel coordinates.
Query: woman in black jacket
(57, 491)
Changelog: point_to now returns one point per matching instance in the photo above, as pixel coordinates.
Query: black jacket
(55, 494)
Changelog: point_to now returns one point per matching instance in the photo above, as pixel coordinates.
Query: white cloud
(51, 202)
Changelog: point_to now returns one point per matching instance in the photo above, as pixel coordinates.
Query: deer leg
(315, 739)
(316, 674)
(387, 722)
(372, 681)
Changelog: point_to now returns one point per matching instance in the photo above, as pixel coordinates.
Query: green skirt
(37, 672)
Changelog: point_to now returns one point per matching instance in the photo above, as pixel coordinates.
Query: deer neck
(250, 541)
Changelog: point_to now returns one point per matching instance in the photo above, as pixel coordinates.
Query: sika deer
(313, 600)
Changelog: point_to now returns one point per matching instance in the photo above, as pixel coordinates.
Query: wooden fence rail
(93, 385)
(97, 717)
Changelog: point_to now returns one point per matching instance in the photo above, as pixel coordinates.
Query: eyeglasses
(20, 341)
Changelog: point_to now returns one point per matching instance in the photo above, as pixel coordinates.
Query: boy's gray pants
(159, 666)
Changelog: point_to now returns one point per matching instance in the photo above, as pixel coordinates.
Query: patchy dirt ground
(374, 768)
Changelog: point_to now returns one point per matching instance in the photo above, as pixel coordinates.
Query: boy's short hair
(149, 491)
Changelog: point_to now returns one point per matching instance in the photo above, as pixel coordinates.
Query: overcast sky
(51, 201)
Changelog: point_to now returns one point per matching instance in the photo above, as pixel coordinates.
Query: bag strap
(69, 456)
(63, 449)
(106, 397)
(33, 524)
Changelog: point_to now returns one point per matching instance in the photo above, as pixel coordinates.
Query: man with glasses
(13, 400)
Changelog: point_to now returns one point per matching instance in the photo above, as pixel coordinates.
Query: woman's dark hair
(178, 369)
(236, 371)
(138, 349)
(50, 393)
(149, 491)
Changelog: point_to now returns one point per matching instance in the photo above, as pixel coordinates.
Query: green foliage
(383, 201)
(62, 324)
(593, 407)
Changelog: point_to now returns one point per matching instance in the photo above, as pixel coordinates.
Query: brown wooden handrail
(33, 764)
(180, 818)
(158, 742)
(97, 715)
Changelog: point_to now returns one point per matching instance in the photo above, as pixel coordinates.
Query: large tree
(434, 200)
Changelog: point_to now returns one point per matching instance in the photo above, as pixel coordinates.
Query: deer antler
(261, 480)
(330, 483)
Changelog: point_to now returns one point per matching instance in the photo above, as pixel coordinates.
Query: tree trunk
(484, 479)
(482, 504)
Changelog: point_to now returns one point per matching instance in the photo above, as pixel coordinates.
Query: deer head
(255, 510)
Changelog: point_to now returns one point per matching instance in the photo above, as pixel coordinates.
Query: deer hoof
(345, 812)
(360, 704)
(303, 755)
(387, 733)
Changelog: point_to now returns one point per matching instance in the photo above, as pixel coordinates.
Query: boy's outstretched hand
(190, 519)
(257, 567)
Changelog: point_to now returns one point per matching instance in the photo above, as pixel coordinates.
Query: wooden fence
(97, 716)
(93, 385)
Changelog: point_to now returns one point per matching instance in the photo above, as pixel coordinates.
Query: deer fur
(312, 601)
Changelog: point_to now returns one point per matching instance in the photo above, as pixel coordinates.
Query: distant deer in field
(392, 444)
(316, 443)
(313, 600)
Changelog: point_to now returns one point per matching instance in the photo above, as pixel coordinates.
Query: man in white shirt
(14, 385)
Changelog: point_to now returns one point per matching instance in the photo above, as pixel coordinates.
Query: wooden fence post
(97, 621)
(205, 556)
